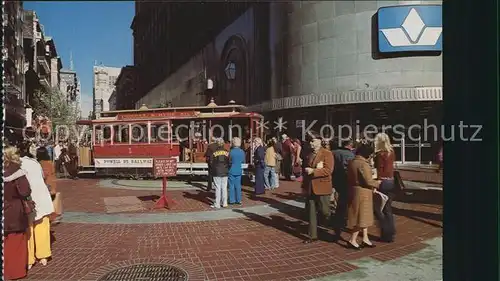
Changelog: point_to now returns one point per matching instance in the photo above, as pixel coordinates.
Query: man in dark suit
(317, 185)
(342, 156)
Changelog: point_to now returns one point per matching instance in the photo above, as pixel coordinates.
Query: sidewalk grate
(146, 272)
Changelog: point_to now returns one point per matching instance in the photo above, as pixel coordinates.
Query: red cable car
(124, 142)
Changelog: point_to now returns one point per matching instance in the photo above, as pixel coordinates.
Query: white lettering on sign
(123, 162)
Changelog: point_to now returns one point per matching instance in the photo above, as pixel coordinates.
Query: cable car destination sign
(160, 114)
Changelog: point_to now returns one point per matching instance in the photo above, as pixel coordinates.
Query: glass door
(397, 142)
(412, 147)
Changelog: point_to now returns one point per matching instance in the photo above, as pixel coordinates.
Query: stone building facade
(321, 57)
(104, 85)
(126, 88)
(13, 58)
(70, 86)
(112, 101)
(43, 64)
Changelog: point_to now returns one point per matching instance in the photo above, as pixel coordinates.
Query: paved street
(108, 224)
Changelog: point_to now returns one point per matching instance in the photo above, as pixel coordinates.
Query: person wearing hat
(317, 185)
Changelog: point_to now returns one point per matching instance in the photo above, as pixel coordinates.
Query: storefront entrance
(410, 148)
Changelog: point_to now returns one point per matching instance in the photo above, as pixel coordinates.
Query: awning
(352, 97)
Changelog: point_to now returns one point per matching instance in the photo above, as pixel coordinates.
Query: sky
(91, 31)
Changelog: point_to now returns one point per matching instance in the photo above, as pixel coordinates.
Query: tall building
(104, 85)
(126, 88)
(55, 63)
(13, 70)
(112, 101)
(354, 63)
(70, 86)
(43, 64)
(162, 49)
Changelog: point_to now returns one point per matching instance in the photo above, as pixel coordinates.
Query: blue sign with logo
(410, 28)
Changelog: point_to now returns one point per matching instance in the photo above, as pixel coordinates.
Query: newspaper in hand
(381, 200)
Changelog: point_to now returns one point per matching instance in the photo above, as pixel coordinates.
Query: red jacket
(16, 188)
(287, 148)
(384, 163)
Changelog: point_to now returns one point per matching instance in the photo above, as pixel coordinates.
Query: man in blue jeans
(236, 159)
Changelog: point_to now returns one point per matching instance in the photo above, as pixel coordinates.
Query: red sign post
(164, 167)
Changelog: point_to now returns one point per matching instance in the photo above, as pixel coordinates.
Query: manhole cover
(146, 272)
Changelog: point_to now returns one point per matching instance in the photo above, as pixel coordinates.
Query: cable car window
(106, 133)
(121, 134)
(139, 133)
(162, 132)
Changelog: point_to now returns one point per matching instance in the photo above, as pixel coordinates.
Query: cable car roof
(203, 109)
(188, 112)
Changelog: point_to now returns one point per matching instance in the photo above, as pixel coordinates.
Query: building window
(230, 70)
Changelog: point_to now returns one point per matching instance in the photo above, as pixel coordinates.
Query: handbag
(278, 157)
(28, 204)
(399, 185)
(297, 169)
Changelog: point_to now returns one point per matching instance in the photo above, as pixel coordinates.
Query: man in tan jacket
(317, 185)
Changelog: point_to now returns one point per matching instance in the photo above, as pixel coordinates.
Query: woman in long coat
(259, 164)
(361, 189)
(16, 188)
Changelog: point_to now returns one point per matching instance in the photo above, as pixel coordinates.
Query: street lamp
(230, 70)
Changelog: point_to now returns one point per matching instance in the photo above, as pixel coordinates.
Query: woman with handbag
(39, 231)
(49, 174)
(16, 211)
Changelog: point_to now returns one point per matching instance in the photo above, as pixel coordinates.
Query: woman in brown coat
(16, 189)
(361, 188)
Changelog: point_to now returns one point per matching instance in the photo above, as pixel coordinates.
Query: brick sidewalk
(86, 195)
(256, 248)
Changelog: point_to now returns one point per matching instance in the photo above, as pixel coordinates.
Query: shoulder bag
(28, 204)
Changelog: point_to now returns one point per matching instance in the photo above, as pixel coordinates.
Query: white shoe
(214, 207)
(30, 266)
(43, 262)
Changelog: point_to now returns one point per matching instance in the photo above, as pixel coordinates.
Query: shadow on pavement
(52, 237)
(295, 228)
(202, 196)
(291, 196)
(298, 228)
(148, 198)
(420, 216)
(199, 185)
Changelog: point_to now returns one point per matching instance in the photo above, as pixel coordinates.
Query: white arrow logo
(412, 32)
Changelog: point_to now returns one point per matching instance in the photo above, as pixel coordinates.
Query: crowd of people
(64, 154)
(358, 176)
(31, 206)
